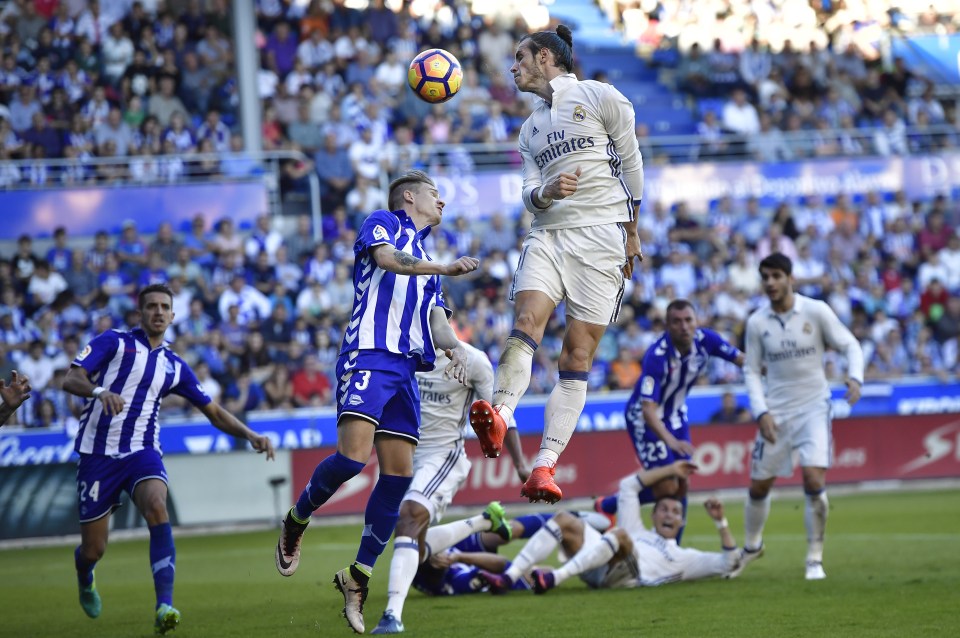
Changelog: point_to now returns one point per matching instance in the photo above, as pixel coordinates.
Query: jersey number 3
(364, 380)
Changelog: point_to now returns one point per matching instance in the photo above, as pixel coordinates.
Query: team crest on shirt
(84, 353)
(379, 232)
(579, 113)
(807, 328)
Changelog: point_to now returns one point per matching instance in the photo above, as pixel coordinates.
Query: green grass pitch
(892, 560)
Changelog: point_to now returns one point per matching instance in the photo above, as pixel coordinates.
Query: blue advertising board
(84, 211)
(317, 427)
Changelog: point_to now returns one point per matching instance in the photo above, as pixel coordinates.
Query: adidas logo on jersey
(535, 131)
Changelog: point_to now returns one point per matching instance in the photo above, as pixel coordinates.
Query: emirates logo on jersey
(579, 113)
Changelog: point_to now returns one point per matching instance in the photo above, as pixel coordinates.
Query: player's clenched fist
(564, 185)
(462, 266)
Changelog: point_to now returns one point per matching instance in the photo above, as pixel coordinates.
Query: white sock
(537, 549)
(403, 569)
(755, 514)
(815, 520)
(560, 419)
(441, 537)
(513, 373)
(589, 557)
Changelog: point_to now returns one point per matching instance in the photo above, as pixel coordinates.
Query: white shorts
(804, 437)
(437, 476)
(623, 573)
(579, 265)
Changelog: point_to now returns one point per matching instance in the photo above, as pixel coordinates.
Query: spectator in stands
(739, 116)
(311, 387)
(711, 138)
(933, 237)
(117, 51)
(335, 171)
(165, 103)
(891, 137)
(24, 108)
(44, 285)
(768, 144)
(253, 306)
(37, 366)
(278, 389)
(730, 411)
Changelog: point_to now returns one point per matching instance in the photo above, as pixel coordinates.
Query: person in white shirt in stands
(628, 555)
(785, 340)
(739, 116)
(582, 181)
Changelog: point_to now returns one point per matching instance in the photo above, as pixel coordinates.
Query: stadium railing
(158, 170)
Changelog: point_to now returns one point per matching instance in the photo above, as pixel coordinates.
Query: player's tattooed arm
(406, 260)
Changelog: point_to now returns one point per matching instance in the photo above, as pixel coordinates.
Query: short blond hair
(397, 187)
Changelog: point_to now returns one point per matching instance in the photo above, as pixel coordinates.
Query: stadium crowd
(260, 314)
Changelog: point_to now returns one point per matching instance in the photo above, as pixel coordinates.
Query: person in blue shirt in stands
(656, 412)
(398, 322)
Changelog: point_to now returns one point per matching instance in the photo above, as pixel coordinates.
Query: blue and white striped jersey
(124, 363)
(668, 376)
(391, 312)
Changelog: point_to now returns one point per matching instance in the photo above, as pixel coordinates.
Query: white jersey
(589, 125)
(790, 347)
(445, 403)
(660, 560)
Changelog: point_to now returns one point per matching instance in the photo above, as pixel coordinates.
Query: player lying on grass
(628, 555)
(457, 570)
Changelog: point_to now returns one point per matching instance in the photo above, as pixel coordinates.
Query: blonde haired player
(440, 468)
(787, 339)
(582, 180)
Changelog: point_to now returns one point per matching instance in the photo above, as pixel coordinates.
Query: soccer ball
(435, 75)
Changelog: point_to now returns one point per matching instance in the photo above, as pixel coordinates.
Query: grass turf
(892, 560)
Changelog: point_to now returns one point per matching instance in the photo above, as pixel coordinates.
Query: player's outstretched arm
(396, 261)
(680, 468)
(226, 422)
(13, 395)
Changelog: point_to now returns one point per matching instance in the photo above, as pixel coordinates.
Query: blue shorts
(651, 451)
(390, 399)
(102, 479)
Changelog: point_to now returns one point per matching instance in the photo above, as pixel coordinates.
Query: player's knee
(576, 359)
(526, 322)
(92, 551)
(565, 520)
(813, 483)
(155, 509)
(759, 491)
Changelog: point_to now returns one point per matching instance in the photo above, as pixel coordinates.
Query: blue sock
(163, 558)
(84, 569)
(531, 523)
(383, 510)
(682, 527)
(330, 474)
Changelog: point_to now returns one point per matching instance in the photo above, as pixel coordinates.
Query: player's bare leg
(815, 519)
(489, 420)
(563, 407)
(93, 543)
